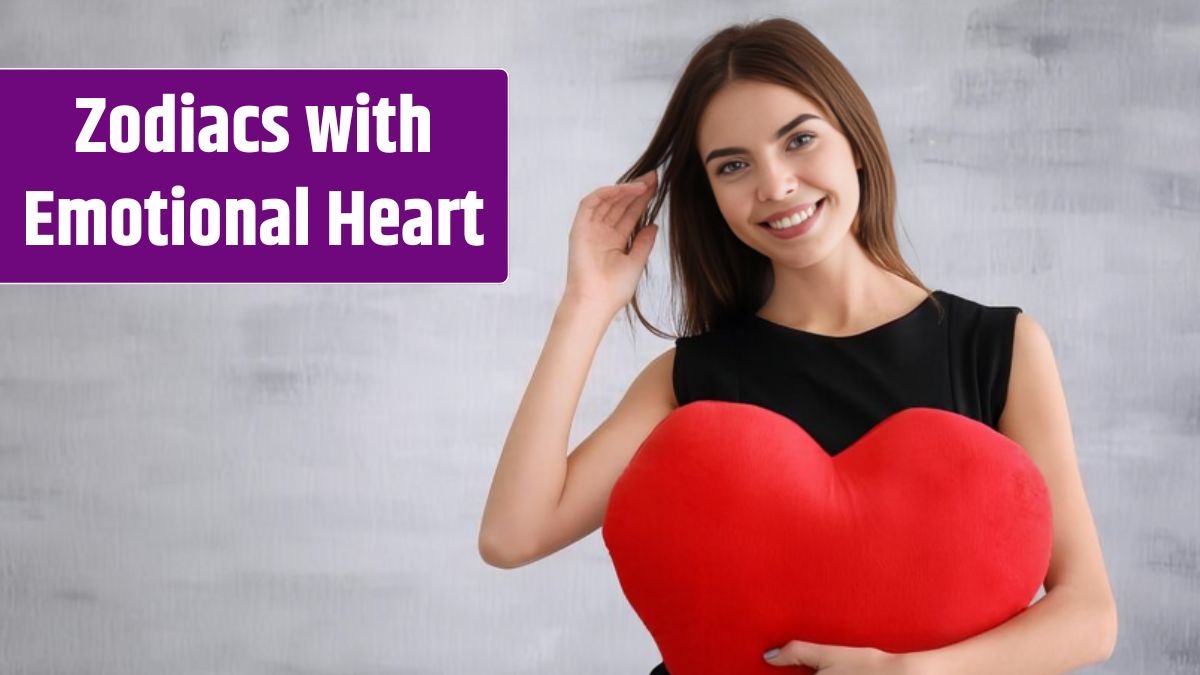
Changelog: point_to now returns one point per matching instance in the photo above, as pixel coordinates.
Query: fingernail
(770, 654)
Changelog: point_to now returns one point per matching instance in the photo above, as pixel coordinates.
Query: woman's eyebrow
(800, 119)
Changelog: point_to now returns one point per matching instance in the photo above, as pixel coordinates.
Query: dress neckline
(891, 323)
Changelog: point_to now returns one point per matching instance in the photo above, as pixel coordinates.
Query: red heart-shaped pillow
(733, 532)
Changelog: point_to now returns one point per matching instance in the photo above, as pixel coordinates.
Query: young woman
(795, 298)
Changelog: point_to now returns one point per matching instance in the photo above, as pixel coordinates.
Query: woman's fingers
(594, 200)
(634, 209)
(607, 204)
(643, 243)
(601, 258)
(615, 200)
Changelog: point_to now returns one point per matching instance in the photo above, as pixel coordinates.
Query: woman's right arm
(541, 500)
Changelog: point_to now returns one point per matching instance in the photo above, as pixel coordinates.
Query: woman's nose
(776, 182)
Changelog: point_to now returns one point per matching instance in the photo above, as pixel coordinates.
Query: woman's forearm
(532, 468)
(1060, 633)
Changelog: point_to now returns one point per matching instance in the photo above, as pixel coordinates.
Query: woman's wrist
(575, 305)
(918, 663)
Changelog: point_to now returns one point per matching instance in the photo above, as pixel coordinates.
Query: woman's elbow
(498, 553)
(1108, 622)
(500, 559)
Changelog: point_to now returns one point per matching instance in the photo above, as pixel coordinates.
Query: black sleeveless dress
(838, 388)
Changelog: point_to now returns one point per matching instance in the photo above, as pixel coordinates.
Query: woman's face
(772, 154)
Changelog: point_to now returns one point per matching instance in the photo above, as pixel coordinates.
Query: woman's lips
(799, 228)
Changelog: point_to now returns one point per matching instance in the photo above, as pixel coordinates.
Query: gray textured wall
(288, 479)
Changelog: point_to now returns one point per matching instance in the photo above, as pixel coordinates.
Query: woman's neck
(844, 294)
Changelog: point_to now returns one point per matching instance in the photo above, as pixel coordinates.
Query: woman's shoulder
(969, 314)
(982, 336)
(725, 333)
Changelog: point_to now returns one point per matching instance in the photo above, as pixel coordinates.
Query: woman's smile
(795, 222)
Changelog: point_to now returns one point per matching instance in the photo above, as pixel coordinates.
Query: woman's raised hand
(599, 271)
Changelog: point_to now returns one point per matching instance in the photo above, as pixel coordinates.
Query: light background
(289, 479)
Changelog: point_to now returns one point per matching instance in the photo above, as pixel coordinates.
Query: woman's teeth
(796, 219)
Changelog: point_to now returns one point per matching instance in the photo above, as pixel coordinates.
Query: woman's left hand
(835, 660)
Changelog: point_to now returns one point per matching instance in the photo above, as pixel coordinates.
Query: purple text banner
(254, 176)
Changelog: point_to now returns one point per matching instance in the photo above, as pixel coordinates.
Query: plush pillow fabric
(732, 532)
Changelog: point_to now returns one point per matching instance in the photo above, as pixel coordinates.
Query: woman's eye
(721, 170)
(730, 167)
(793, 141)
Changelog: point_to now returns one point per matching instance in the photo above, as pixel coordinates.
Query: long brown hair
(717, 276)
